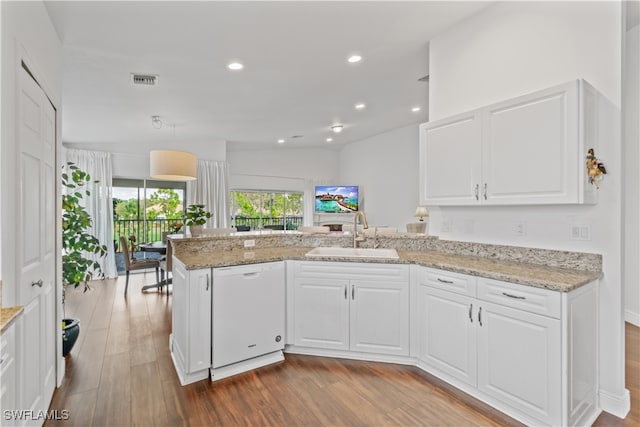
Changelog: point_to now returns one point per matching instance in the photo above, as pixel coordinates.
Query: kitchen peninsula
(495, 321)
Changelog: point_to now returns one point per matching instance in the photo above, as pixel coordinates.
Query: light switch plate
(249, 243)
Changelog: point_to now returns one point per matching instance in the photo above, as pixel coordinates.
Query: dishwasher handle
(251, 274)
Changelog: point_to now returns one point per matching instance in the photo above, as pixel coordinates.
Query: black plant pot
(70, 332)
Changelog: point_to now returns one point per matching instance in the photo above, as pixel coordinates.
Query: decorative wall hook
(595, 168)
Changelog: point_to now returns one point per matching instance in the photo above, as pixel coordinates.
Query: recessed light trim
(281, 141)
(235, 66)
(329, 139)
(337, 128)
(415, 109)
(354, 59)
(360, 106)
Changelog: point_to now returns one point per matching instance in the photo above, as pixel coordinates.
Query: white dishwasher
(248, 317)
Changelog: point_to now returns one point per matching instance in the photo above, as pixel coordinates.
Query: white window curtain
(99, 204)
(211, 189)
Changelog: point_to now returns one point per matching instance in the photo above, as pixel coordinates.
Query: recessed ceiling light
(235, 66)
(329, 139)
(281, 141)
(337, 128)
(415, 109)
(360, 106)
(354, 58)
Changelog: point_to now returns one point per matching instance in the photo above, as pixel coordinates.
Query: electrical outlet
(445, 226)
(521, 229)
(580, 232)
(249, 243)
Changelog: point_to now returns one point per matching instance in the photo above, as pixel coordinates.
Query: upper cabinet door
(530, 148)
(450, 155)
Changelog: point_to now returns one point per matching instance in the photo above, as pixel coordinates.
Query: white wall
(512, 48)
(132, 160)
(385, 167)
(631, 155)
(292, 169)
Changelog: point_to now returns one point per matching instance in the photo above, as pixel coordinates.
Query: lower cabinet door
(519, 360)
(379, 317)
(321, 313)
(447, 333)
(199, 346)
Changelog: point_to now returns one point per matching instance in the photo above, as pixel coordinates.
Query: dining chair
(166, 265)
(130, 263)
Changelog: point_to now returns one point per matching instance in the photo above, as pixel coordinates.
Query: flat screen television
(336, 199)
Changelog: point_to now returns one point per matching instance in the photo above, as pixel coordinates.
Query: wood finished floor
(120, 374)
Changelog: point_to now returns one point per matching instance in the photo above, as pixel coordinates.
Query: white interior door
(35, 243)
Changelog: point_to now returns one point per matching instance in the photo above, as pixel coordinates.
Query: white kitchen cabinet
(504, 343)
(379, 317)
(321, 313)
(8, 370)
(519, 360)
(447, 333)
(450, 160)
(526, 150)
(351, 307)
(191, 322)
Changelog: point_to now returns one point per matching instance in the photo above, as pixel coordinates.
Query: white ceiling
(296, 80)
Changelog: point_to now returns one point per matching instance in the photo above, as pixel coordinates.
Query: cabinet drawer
(447, 280)
(527, 298)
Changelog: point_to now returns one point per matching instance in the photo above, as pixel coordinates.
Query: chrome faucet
(357, 239)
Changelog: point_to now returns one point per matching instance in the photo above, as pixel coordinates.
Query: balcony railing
(145, 231)
(151, 230)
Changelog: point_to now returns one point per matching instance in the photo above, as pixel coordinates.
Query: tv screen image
(336, 199)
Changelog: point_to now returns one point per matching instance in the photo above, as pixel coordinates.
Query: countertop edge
(513, 272)
(8, 315)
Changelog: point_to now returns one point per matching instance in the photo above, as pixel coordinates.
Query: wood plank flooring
(120, 374)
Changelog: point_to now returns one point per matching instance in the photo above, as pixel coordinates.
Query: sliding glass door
(147, 208)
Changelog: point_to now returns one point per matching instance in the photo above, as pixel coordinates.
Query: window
(146, 208)
(266, 209)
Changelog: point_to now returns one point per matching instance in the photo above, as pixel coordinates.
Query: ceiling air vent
(424, 79)
(144, 79)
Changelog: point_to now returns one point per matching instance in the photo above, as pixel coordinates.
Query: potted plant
(195, 218)
(76, 243)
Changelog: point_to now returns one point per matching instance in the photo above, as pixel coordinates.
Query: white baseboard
(632, 317)
(618, 405)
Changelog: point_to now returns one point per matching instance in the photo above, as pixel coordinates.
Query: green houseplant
(195, 217)
(76, 243)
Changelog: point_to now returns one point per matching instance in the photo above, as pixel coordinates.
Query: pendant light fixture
(173, 165)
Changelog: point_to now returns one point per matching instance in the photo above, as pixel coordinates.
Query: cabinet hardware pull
(480, 316)
(38, 283)
(485, 191)
(477, 191)
(470, 310)
(345, 291)
(513, 296)
(207, 282)
(353, 291)
(450, 282)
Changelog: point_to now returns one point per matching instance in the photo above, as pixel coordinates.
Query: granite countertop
(541, 276)
(7, 315)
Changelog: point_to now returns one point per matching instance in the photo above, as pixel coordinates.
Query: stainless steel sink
(336, 252)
